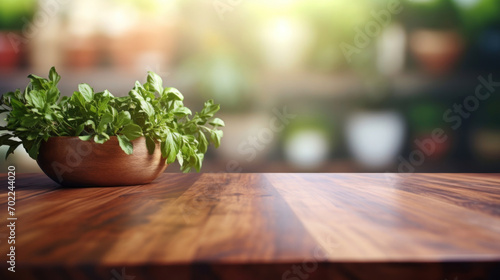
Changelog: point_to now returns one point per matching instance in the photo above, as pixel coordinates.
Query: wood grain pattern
(259, 226)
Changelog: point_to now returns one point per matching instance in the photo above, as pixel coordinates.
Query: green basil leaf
(17, 106)
(215, 136)
(102, 107)
(32, 135)
(90, 123)
(173, 94)
(101, 138)
(125, 144)
(78, 100)
(48, 117)
(217, 122)
(86, 91)
(29, 121)
(37, 99)
(137, 85)
(33, 151)
(54, 76)
(203, 143)
(185, 168)
(4, 138)
(132, 131)
(164, 149)
(79, 129)
(148, 95)
(169, 148)
(180, 159)
(123, 119)
(145, 106)
(150, 144)
(53, 95)
(38, 83)
(182, 111)
(85, 137)
(210, 109)
(155, 81)
(106, 93)
(106, 120)
(12, 148)
(199, 160)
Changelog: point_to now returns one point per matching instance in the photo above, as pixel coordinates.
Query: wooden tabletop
(258, 226)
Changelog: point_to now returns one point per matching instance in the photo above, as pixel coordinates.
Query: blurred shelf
(352, 86)
(310, 85)
(455, 84)
(268, 87)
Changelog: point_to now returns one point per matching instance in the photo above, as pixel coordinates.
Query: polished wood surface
(259, 226)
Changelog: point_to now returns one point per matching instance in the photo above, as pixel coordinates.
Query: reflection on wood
(259, 226)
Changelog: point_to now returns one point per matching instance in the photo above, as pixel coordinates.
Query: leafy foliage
(149, 111)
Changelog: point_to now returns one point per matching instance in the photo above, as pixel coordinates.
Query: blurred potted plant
(14, 15)
(218, 71)
(425, 117)
(83, 43)
(485, 133)
(375, 137)
(334, 23)
(130, 41)
(376, 131)
(435, 39)
(308, 142)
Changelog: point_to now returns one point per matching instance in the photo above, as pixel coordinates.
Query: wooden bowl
(72, 162)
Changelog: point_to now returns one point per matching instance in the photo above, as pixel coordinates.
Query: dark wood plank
(362, 217)
(217, 219)
(27, 185)
(457, 189)
(260, 226)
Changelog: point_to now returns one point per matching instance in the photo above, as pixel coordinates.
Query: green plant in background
(334, 22)
(150, 110)
(431, 14)
(425, 116)
(477, 15)
(14, 14)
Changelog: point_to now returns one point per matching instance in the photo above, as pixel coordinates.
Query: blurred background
(305, 86)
